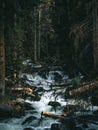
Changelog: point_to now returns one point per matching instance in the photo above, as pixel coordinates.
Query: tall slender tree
(2, 50)
(95, 34)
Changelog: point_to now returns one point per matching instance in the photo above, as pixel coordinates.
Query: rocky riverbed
(41, 104)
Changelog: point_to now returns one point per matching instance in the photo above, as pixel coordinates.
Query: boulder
(39, 89)
(20, 101)
(70, 109)
(68, 123)
(95, 112)
(18, 106)
(79, 128)
(54, 103)
(28, 106)
(28, 120)
(46, 129)
(6, 110)
(37, 98)
(28, 128)
(84, 125)
(94, 100)
(55, 126)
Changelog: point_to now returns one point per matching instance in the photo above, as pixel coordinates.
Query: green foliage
(28, 4)
(76, 82)
(4, 99)
(51, 26)
(17, 16)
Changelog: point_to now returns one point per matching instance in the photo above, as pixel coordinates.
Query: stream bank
(44, 107)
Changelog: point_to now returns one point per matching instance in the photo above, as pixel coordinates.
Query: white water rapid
(49, 81)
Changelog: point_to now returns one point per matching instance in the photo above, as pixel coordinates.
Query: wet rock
(34, 97)
(28, 120)
(28, 106)
(39, 89)
(18, 107)
(85, 125)
(28, 129)
(37, 98)
(6, 110)
(95, 112)
(54, 103)
(79, 128)
(1, 96)
(69, 123)
(70, 109)
(30, 96)
(20, 101)
(94, 100)
(55, 126)
(18, 111)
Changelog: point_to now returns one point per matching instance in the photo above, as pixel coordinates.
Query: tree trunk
(95, 34)
(39, 31)
(86, 88)
(2, 60)
(47, 114)
(35, 42)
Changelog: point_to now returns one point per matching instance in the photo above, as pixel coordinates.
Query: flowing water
(44, 80)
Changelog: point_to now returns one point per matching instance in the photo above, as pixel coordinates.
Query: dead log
(27, 89)
(82, 89)
(47, 114)
(16, 88)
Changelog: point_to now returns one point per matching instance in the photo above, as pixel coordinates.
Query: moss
(4, 99)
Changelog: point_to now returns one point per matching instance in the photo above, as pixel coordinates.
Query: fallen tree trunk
(27, 89)
(47, 114)
(82, 89)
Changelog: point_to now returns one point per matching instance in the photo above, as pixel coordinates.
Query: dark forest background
(49, 32)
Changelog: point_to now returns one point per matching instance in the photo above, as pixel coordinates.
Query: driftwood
(82, 89)
(26, 89)
(47, 114)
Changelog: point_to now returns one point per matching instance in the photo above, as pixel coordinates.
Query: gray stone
(6, 110)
